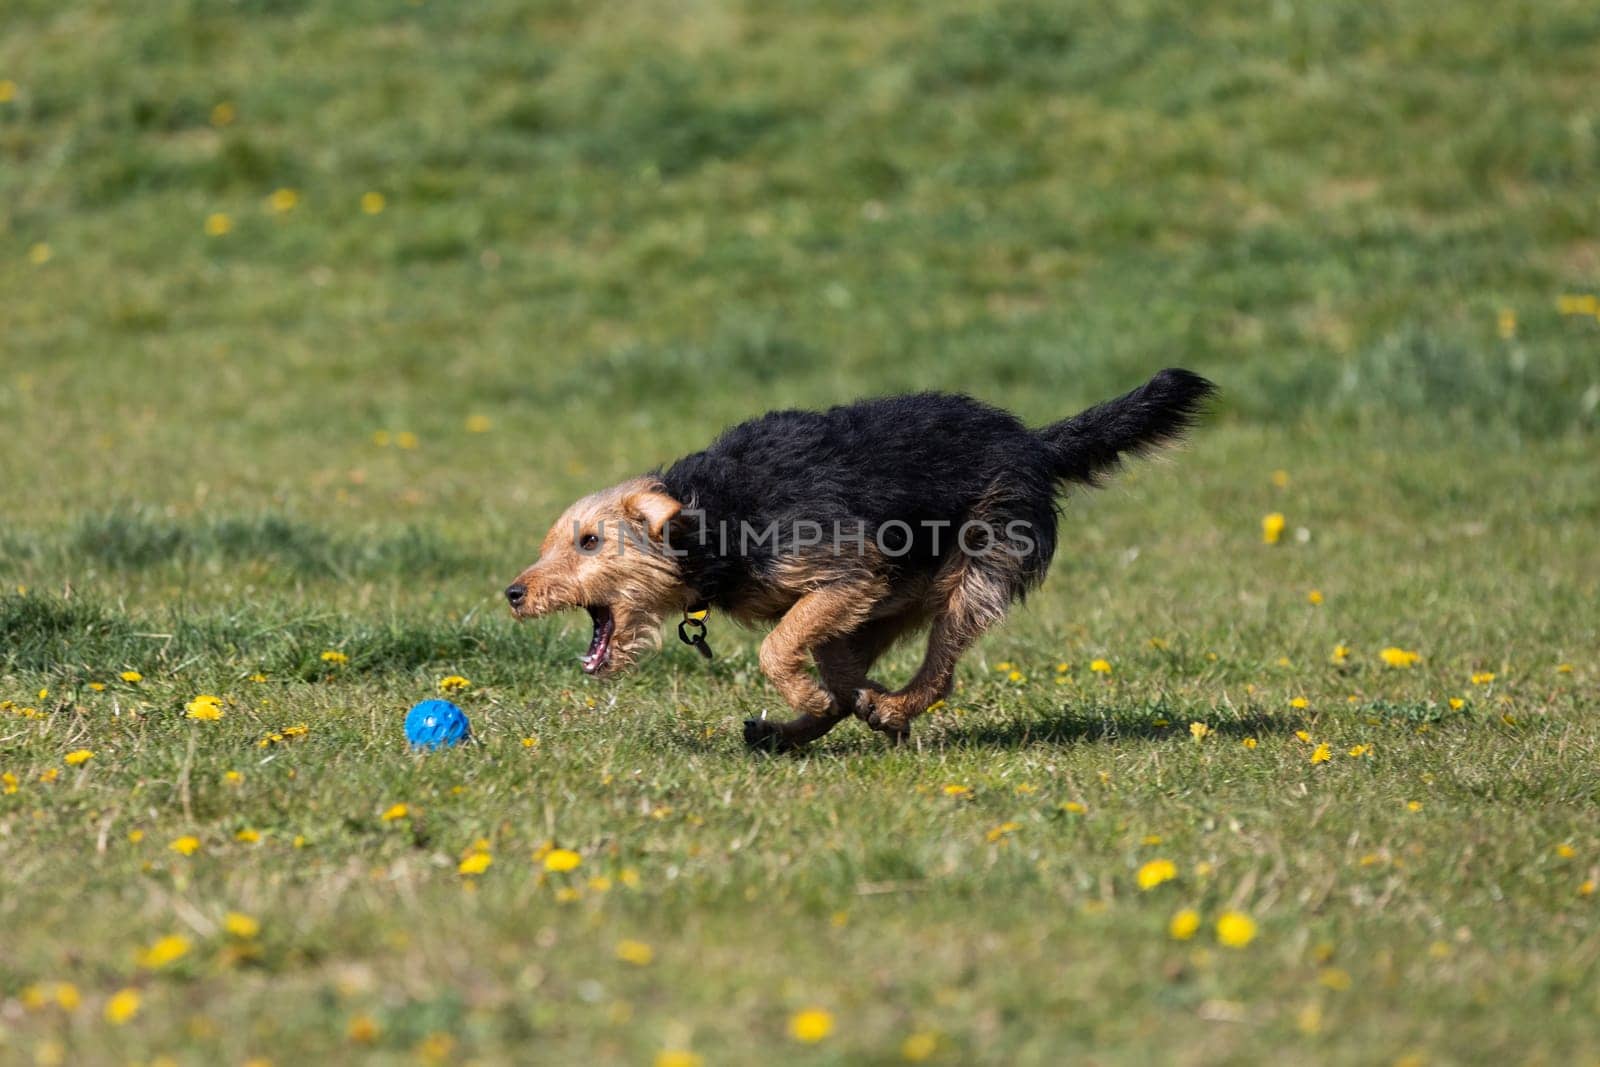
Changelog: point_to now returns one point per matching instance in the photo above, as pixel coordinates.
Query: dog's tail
(1091, 444)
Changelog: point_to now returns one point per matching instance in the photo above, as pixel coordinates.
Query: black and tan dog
(850, 528)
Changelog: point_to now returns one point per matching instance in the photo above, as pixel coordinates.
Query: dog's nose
(515, 594)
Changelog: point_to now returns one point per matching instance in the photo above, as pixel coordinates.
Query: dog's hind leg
(845, 661)
(816, 619)
(973, 597)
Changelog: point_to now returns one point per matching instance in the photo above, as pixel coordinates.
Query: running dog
(849, 528)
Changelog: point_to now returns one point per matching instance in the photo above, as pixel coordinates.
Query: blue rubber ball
(437, 724)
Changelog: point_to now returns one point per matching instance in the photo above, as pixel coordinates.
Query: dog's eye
(588, 541)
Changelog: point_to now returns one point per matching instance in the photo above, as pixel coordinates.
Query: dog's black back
(930, 461)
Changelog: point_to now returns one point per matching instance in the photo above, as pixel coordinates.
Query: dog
(849, 528)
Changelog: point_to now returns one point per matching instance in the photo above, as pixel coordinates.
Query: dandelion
(233, 777)
(1005, 666)
(8, 91)
(98, 687)
(218, 224)
(1340, 654)
(1566, 851)
(1017, 676)
(479, 424)
(396, 811)
(957, 790)
(1183, 925)
(135, 836)
(240, 925)
(1004, 830)
(50, 775)
(1235, 929)
(1072, 807)
(187, 845)
(223, 114)
(677, 1057)
(1586, 888)
(1249, 742)
(919, 1046)
(258, 677)
(248, 837)
(1280, 479)
(1399, 658)
(1100, 666)
(1321, 754)
(131, 677)
(39, 254)
(8, 784)
(1199, 731)
(453, 683)
(362, 1029)
(436, 1047)
(405, 439)
(373, 203)
(635, 952)
(1159, 644)
(205, 707)
(1413, 805)
(475, 863)
(1482, 677)
(1155, 872)
(78, 758)
(1299, 703)
(1272, 528)
(1578, 304)
(1506, 324)
(283, 201)
(1563, 668)
(1357, 751)
(560, 860)
(1456, 703)
(334, 656)
(122, 1006)
(811, 1025)
(1151, 839)
(167, 950)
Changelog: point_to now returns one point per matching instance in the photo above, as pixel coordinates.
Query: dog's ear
(653, 508)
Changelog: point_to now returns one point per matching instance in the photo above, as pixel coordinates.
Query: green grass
(609, 233)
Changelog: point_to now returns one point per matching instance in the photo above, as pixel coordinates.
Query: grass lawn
(314, 315)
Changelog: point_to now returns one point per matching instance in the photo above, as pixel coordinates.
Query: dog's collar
(692, 630)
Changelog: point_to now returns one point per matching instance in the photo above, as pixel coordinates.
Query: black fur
(927, 457)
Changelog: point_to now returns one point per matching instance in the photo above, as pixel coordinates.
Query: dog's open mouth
(599, 654)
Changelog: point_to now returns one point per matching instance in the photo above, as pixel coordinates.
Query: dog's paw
(764, 736)
(879, 710)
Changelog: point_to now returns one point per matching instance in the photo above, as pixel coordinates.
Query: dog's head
(607, 554)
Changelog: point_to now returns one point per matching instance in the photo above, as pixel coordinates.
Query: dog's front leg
(815, 618)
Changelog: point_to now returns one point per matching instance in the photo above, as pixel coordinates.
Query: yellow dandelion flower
(362, 1029)
(1357, 751)
(1235, 929)
(436, 1047)
(1321, 754)
(1272, 528)
(1314, 596)
(1072, 807)
(1151, 839)
(562, 859)
(122, 1006)
(40, 254)
(1586, 888)
(258, 677)
(131, 677)
(8, 91)
(919, 1046)
(205, 707)
(1249, 742)
(187, 845)
(1004, 830)
(1563, 668)
(98, 687)
(233, 777)
(1482, 677)
(405, 439)
(1199, 731)
(479, 424)
(218, 224)
(1399, 658)
(248, 837)
(1339, 655)
(373, 203)
(1456, 703)
(240, 925)
(677, 1057)
(1505, 322)
(957, 790)
(1413, 805)
(1280, 479)
(453, 683)
(78, 758)
(1566, 851)
(50, 775)
(334, 656)
(283, 201)
(169, 949)
(1158, 643)
(568, 894)
(530, 742)
(9, 783)
(1026, 789)
(1183, 924)
(635, 952)
(223, 114)
(1100, 666)
(1578, 304)
(396, 811)
(1155, 872)
(1004, 666)
(1299, 703)
(475, 863)
(135, 836)
(811, 1025)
